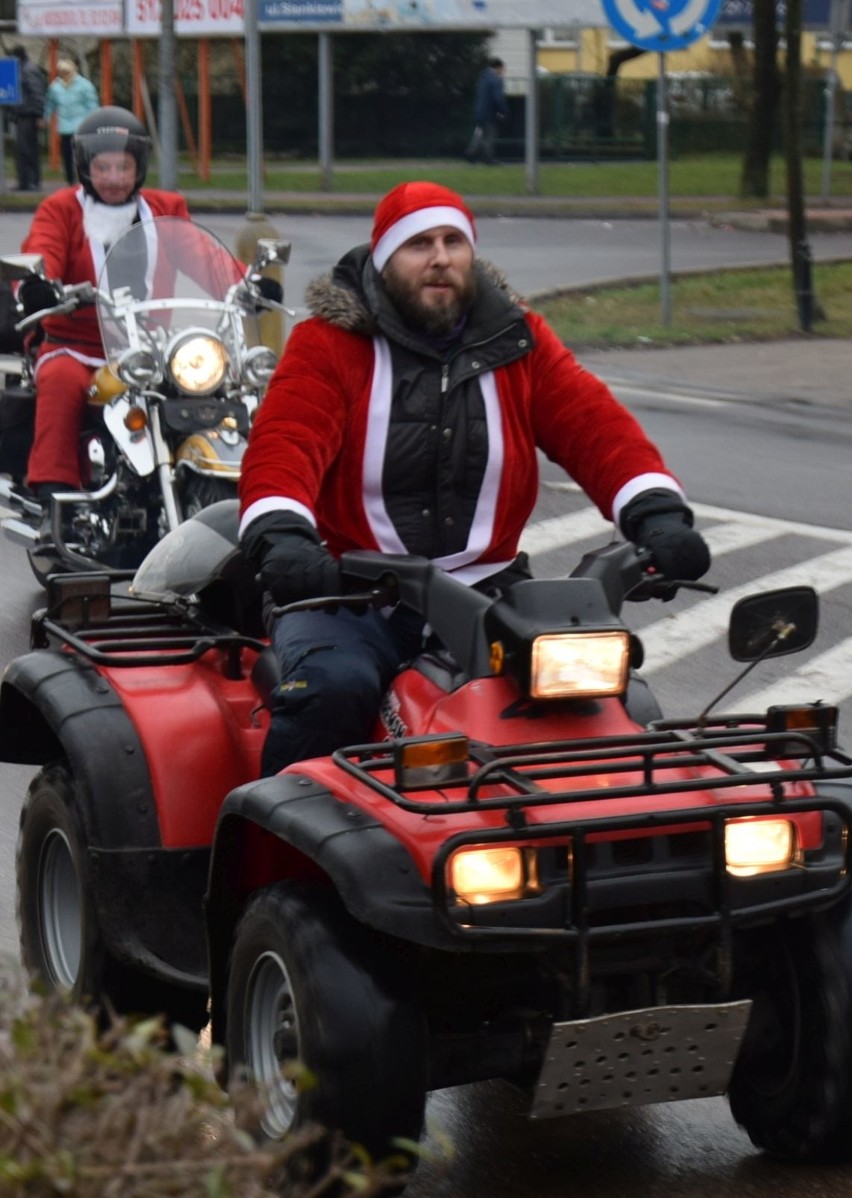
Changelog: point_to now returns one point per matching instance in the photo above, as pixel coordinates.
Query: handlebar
(75, 294)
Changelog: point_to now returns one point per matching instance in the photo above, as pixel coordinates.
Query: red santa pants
(62, 388)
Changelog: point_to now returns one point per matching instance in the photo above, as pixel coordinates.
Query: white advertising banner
(193, 18)
(74, 18)
(422, 14)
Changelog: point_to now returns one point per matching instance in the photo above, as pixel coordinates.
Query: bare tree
(800, 254)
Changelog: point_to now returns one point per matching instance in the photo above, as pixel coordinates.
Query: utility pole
(167, 98)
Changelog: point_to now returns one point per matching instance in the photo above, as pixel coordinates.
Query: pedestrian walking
(28, 116)
(72, 97)
(490, 109)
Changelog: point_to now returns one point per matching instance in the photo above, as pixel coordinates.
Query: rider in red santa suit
(72, 231)
(405, 416)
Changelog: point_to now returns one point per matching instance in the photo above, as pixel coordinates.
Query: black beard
(422, 318)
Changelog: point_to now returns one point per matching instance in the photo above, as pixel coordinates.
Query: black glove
(36, 293)
(270, 289)
(293, 563)
(660, 521)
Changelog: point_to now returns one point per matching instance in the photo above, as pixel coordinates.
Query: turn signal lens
(493, 875)
(579, 665)
(759, 846)
(135, 419)
(431, 761)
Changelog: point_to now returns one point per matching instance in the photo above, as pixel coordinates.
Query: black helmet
(108, 129)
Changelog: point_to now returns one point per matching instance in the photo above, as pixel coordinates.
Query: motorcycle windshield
(190, 557)
(164, 276)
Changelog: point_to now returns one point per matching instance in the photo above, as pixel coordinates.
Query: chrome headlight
(582, 665)
(137, 368)
(759, 846)
(197, 361)
(259, 365)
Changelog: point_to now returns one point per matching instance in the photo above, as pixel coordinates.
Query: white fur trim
(274, 503)
(643, 482)
(419, 222)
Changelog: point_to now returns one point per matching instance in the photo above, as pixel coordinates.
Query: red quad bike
(529, 875)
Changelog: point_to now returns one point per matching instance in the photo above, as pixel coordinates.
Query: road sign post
(662, 25)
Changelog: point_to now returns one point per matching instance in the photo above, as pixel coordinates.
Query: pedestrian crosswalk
(686, 640)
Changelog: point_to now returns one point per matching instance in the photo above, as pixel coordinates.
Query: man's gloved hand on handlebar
(658, 520)
(292, 561)
(36, 293)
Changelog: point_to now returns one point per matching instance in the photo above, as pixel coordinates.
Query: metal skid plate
(663, 1054)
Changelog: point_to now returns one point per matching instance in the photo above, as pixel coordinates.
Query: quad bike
(528, 874)
(170, 411)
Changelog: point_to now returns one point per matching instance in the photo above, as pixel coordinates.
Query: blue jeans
(334, 671)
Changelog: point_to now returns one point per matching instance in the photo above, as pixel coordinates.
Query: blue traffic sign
(10, 81)
(661, 24)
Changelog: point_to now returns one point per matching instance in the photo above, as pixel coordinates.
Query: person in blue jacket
(72, 97)
(489, 109)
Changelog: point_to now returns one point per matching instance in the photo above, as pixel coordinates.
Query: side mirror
(270, 251)
(20, 266)
(773, 624)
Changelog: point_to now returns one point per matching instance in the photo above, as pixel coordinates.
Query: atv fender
(148, 900)
(290, 827)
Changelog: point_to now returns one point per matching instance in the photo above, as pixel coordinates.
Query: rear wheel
(307, 985)
(61, 941)
(792, 1086)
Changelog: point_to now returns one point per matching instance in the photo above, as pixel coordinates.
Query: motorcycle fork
(165, 470)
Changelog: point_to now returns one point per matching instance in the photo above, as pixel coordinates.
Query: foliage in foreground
(85, 1114)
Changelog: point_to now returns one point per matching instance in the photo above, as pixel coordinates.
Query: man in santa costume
(404, 416)
(72, 230)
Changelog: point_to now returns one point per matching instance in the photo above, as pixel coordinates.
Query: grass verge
(716, 307)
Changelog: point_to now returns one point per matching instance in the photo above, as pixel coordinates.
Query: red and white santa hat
(412, 208)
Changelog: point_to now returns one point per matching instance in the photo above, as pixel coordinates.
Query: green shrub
(85, 1114)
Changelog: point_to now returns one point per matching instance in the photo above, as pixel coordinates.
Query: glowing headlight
(758, 846)
(490, 875)
(137, 367)
(198, 362)
(579, 665)
(259, 365)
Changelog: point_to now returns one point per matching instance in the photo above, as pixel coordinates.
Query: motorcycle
(529, 873)
(170, 409)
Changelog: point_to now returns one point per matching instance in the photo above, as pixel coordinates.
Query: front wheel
(306, 985)
(792, 1086)
(200, 492)
(62, 945)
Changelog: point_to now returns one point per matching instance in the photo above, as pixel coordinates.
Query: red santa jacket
(57, 233)
(318, 444)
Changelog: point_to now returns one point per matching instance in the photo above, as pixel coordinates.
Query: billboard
(816, 14)
(401, 15)
(193, 18)
(74, 18)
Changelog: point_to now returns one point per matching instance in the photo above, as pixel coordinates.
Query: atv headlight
(197, 361)
(759, 846)
(137, 368)
(489, 875)
(579, 665)
(259, 365)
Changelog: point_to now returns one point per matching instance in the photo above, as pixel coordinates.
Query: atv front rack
(728, 752)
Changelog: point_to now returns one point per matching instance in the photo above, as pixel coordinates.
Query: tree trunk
(754, 181)
(605, 92)
(800, 253)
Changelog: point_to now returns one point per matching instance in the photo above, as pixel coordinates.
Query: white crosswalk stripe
(827, 677)
(685, 632)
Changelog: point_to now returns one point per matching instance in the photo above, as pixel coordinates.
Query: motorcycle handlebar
(74, 295)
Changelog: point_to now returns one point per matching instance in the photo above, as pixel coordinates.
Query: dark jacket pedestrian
(490, 108)
(28, 115)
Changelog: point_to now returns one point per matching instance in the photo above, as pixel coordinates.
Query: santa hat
(412, 208)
